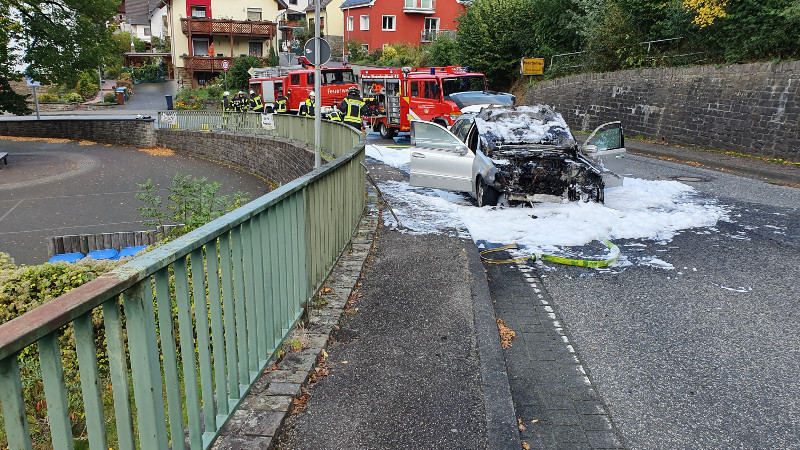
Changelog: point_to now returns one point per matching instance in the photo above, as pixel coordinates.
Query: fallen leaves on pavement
(506, 334)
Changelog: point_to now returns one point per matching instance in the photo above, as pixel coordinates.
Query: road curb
(501, 421)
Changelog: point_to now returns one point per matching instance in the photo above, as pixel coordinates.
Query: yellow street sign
(532, 66)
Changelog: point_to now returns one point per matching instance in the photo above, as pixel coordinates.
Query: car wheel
(487, 195)
(385, 131)
(441, 122)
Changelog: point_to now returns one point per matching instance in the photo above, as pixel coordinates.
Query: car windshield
(463, 84)
(343, 76)
(523, 125)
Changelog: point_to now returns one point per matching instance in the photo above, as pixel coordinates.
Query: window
(294, 80)
(431, 89)
(350, 23)
(200, 47)
(255, 48)
(198, 11)
(254, 14)
(414, 89)
(387, 23)
(365, 22)
(365, 47)
(431, 24)
(147, 31)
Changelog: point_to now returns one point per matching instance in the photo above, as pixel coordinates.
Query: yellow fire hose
(612, 257)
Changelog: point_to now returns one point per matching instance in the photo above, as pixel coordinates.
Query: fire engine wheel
(486, 195)
(385, 131)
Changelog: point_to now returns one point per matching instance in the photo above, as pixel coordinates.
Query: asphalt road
(704, 355)
(61, 188)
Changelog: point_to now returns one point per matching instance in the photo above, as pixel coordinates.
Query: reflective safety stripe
(353, 110)
(257, 103)
(309, 111)
(281, 105)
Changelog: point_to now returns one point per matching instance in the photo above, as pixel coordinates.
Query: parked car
(517, 154)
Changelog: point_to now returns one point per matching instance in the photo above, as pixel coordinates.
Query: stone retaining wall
(749, 108)
(277, 159)
(137, 132)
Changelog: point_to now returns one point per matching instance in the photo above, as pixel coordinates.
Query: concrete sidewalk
(403, 352)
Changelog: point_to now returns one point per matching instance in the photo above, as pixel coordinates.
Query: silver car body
(534, 157)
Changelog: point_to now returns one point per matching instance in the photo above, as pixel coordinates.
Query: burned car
(516, 154)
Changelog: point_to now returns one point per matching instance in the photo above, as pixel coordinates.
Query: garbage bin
(120, 96)
(169, 101)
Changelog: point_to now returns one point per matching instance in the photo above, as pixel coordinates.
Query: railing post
(18, 432)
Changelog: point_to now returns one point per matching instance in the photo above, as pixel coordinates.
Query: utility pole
(317, 91)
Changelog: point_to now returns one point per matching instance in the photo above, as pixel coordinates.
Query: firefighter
(352, 107)
(334, 115)
(256, 104)
(307, 107)
(226, 102)
(281, 103)
(239, 102)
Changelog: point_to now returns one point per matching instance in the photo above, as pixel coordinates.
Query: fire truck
(296, 84)
(395, 96)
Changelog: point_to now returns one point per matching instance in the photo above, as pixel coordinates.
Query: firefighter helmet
(352, 90)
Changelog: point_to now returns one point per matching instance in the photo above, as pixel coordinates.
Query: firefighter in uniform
(307, 107)
(334, 115)
(256, 104)
(226, 102)
(352, 107)
(281, 103)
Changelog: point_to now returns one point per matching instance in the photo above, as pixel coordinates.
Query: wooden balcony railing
(205, 63)
(288, 24)
(211, 27)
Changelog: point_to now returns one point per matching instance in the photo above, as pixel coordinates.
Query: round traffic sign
(225, 64)
(324, 51)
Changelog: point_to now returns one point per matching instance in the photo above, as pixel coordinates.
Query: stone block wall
(136, 132)
(279, 160)
(748, 108)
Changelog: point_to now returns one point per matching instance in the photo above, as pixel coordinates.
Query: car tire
(385, 131)
(486, 195)
(441, 122)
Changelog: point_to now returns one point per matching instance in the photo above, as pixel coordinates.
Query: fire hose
(612, 257)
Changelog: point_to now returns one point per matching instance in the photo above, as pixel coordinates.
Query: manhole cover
(690, 179)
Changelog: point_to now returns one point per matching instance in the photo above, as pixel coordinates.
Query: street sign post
(324, 51)
(225, 68)
(29, 81)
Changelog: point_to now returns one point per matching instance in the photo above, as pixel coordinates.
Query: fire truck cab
(297, 84)
(396, 96)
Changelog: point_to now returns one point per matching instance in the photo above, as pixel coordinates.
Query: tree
(494, 34)
(238, 77)
(57, 39)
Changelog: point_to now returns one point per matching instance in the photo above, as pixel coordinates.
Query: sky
(651, 212)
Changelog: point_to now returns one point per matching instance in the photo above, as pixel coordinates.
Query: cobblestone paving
(554, 398)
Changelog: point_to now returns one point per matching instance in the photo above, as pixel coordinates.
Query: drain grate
(690, 179)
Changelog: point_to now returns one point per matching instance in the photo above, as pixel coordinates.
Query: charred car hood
(535, 155)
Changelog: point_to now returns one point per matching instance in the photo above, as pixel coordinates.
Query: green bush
(110, 97)
(73, 97)
(48, 97)
(87, 84)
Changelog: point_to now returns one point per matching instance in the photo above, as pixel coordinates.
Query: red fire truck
(395, 96)
(296, 84)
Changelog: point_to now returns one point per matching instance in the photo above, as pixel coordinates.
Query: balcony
(209, 27)
(419, 6)
(205, 63)
(284, 24)
(431, 35)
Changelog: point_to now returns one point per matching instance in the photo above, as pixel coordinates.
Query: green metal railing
(289, 126)
(201, 315)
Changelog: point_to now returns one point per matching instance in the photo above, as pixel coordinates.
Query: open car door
(606, 145)
(438, 159)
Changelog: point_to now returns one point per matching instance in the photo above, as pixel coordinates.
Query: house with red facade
(374, 23)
